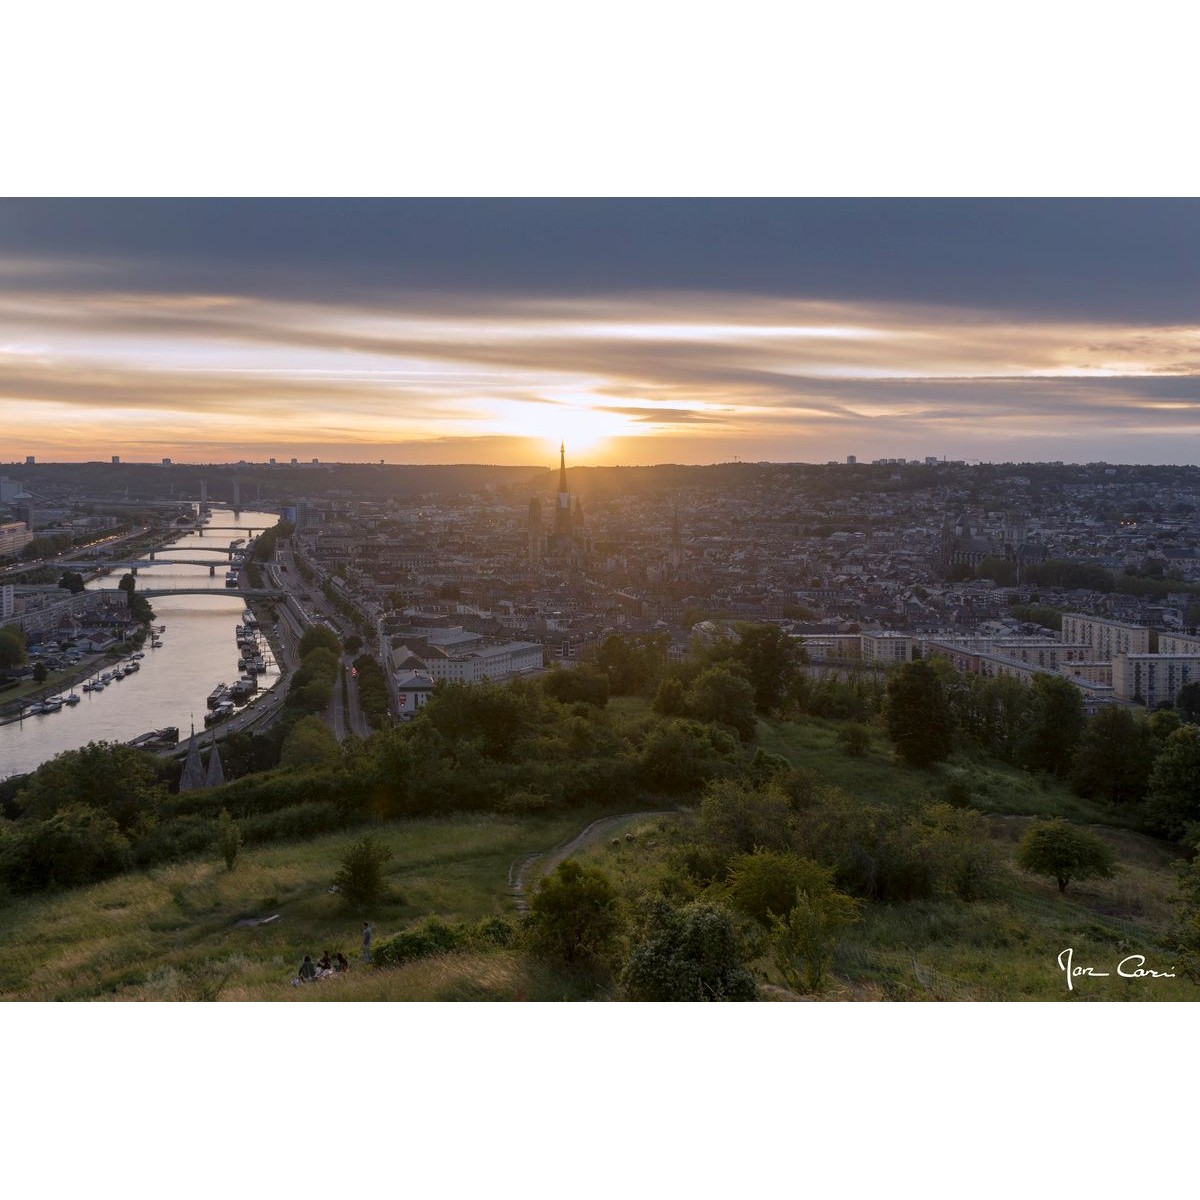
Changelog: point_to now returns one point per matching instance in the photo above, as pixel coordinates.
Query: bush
(432, 936)
(76, 846)
(854, 739)
(574, 914)
(360, 878)
(229, 839)
(685, 954)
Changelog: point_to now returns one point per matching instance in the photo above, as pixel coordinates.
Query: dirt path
(518, 872)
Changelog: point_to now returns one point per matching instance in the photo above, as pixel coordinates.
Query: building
(851, 459)
(1178, 643)
(116, 460)
(1106, 638)
(884, 649)
(487, 662)
(413, 690)
(6, 601)
(1152, 678)
(14, 537)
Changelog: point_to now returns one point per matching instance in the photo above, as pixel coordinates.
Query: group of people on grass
(329, 964)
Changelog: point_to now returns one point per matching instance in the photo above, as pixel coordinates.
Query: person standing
(366, 942)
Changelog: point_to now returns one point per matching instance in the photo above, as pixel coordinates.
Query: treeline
(1148, 764)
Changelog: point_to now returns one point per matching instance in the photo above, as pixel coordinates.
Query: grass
(994, 787)
(145, 935)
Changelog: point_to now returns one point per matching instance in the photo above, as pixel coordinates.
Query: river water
(174, 682)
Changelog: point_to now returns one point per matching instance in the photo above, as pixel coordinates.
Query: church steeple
(562, 468)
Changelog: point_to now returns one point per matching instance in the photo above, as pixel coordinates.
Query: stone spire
(216, 773)
(562, 468)
(193, 769)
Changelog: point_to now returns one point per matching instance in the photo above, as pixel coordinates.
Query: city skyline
(638, 331)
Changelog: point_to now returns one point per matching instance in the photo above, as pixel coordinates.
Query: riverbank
(15, 702)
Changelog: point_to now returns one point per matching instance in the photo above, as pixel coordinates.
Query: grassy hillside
(173, 932)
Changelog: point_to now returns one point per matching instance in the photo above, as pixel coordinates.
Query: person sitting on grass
(324, 963)
(342, 963)
(308, 970)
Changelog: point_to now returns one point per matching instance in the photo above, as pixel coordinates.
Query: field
(169, 933)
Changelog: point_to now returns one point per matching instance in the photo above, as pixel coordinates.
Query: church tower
(562, 510)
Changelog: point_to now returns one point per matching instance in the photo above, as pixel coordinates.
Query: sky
(644, 331)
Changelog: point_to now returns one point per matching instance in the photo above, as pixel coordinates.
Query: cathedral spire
(562, 468)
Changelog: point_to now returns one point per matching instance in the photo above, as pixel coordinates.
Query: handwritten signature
(1133, 966)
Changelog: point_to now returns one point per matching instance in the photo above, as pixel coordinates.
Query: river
(174, 682)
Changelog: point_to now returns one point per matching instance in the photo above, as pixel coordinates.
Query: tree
(360, 877)
(1173, 796)
(718, 695)
(803, 941)
(76, 845)
(319, 637)
(574, 915)
(1065, 853)
(737, 819)
(72, 581)
(229, 838)
(917, 715)
(352, 644)
(39, 672)
(310, 743)
(580, 685)
(633, 662)
(689, 953)
(771, 659)
(669, 700)
(107, 776)
(1053, 726)
(1188, 702)
(12, 647)
(1115, 757)
(681, 756)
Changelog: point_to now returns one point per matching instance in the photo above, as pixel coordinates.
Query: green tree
(352, 644)
(735, 818)
(12, 647)
(229, 839)
(803, 942)
(319, 637)
(681, 756)
(633, 662)
(1115, 757)
(670, 700)
(106, 776)
(1173, 797)
(685, 954)
(40, 673)
(1064, 852)
(360, 878)
(575, 915)
(75, 845)
(578, 685)
(1053, 726)
(309, 743)
(718, 695)
(917, 715)
(770, 659)
(72, 581)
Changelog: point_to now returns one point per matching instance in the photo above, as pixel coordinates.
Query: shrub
(854, 739)
(432, 936)
(688, 953)
(360, 878)
(229, 839)
(574, 914)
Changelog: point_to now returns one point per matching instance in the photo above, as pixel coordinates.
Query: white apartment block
(488, 662)
(6, 601)
(883, 649)
(1153, 678)
(1178, 643)
(1106, 638)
